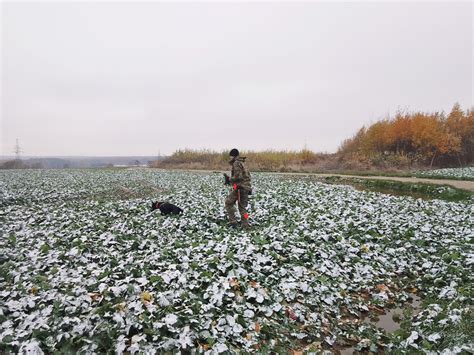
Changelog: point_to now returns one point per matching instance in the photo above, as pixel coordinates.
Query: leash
(236, 188)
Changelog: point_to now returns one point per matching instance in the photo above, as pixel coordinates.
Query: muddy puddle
(389, 321)
(386, 321)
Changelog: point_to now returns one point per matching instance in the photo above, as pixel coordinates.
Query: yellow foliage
(146, 296)
(420, 136)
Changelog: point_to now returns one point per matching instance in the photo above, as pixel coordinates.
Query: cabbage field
(86, 267)
(449, 173)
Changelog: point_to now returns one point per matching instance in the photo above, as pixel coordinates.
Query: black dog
(166, 208)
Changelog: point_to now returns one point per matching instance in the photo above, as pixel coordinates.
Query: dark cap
(234, 153)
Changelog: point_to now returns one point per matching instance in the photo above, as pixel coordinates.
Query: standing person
(241, 189)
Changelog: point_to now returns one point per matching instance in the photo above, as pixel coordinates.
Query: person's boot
(233, 224)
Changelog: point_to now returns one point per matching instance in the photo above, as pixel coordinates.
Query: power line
(17, 150)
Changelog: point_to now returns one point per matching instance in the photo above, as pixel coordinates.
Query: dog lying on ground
(165, 208)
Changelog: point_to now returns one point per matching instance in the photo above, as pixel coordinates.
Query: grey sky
(105, 78)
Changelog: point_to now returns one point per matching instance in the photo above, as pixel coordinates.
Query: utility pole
(17, 150)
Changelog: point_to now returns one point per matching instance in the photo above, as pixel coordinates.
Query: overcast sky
(106, 78)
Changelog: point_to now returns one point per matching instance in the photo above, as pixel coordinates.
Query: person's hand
(226, 179)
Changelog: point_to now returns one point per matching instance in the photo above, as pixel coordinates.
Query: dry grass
(269, 160)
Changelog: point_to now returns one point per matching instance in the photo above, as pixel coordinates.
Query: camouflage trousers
(240, 196)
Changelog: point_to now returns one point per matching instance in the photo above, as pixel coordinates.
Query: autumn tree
(420, 137)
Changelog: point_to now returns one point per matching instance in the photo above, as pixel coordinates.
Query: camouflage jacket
(240, 174)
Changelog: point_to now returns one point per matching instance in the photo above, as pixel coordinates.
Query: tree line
(417, 138)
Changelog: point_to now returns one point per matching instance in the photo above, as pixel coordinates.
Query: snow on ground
(456, 173)
(84, 265)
